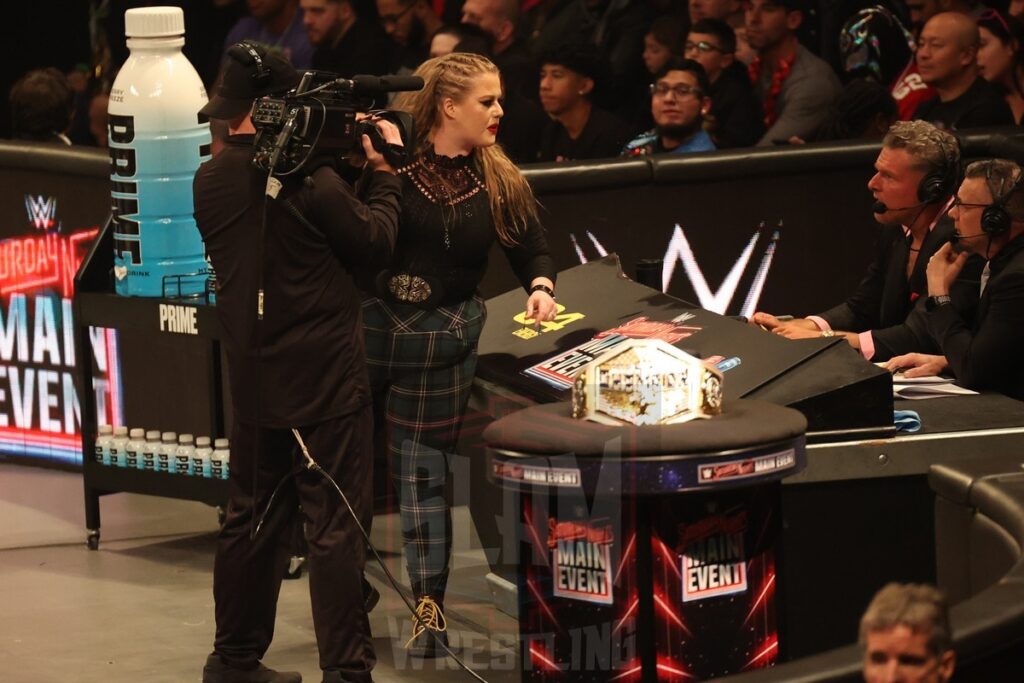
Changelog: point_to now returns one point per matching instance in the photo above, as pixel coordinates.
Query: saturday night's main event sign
(40, 407)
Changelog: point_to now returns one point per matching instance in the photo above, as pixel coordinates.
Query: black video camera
(318, 118)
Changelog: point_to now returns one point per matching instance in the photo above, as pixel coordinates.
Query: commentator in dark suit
(916, 174)
(983, 353)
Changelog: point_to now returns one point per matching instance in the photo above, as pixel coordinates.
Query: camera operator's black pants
(247, 573)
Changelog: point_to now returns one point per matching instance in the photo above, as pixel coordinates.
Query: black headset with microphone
(995, 218)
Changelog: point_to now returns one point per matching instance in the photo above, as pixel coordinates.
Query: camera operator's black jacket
(310, 342)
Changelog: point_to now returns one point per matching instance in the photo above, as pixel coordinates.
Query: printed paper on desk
(919, 390)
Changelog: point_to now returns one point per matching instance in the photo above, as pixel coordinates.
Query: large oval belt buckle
(409, 288)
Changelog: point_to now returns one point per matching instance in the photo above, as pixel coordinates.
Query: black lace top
(446, 230)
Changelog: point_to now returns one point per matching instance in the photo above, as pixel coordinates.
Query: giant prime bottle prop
(156, 144)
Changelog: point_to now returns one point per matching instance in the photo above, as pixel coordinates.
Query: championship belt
(646, 382)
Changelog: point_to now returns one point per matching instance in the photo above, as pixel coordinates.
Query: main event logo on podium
(581, 560)
(713, 561)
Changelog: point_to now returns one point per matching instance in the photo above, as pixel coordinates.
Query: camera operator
(302, 365)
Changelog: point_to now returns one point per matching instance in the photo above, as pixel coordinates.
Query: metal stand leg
(92, 518)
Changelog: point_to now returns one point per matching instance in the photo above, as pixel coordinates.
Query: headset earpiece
(248, 54)
(995, 219)
(937, 185)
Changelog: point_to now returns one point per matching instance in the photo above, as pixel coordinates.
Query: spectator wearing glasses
(947, 54)
(796, 88)
(411, 24)
(679, 102)
(1000, 60)
(578, 128)
(735, 119)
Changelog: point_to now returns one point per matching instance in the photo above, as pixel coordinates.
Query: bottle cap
(221, 443)
(154, 22)
(106, 429)
(168, 436)
(153, 435)
(137, 433)
(203, 441)
(120, 431)
(185, 438)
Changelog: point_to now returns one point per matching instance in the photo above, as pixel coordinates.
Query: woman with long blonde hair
(423, 316)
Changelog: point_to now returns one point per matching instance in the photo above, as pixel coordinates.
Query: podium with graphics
(647, 553)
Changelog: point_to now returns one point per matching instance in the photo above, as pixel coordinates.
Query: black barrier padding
(825, 242)
(733, 164)
(549, 178)
(953, 480)
(88, 164)
(819, 191)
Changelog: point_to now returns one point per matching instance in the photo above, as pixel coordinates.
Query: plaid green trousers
(421, 364)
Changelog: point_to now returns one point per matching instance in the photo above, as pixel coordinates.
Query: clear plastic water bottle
(156, 144)
(184, 454)
(149, 450)
(165, 454)
(101, 450)
(219, 459)
(117, 446)
(133, 449)
(201, 458)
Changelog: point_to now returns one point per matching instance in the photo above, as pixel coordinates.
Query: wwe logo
(680, 251)
(42, 211)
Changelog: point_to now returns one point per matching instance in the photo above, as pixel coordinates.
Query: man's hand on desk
(799, 328)
(917, 365)
(787, 327)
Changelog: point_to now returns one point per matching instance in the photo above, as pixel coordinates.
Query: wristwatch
(933, 302)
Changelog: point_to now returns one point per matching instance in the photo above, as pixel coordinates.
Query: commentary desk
(860, 515)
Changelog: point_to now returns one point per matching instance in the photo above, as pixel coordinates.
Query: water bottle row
(162, 452)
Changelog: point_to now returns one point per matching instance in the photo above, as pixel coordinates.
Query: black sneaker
(426, 634)
(216, 671)
(331, 676)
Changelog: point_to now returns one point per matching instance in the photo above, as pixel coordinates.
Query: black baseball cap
(249, 71)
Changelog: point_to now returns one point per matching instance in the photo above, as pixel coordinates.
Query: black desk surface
(965, 413)
(598, 297)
